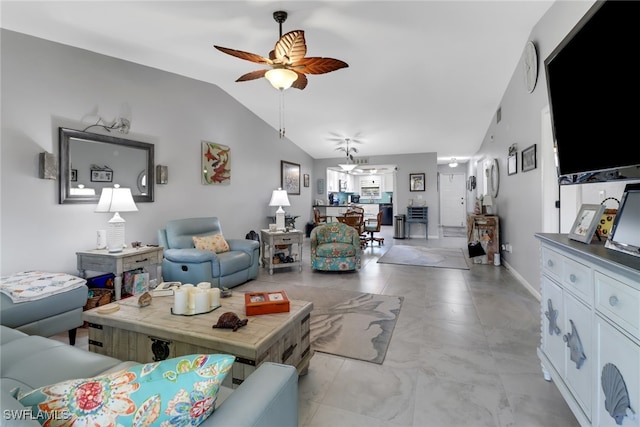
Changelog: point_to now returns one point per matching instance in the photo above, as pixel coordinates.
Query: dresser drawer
(135, 261)
(578, 279)
(552, 263)
(619, 302)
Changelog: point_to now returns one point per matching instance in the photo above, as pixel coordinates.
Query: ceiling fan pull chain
(282, 131)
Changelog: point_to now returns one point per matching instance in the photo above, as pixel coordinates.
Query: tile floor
(463, 352)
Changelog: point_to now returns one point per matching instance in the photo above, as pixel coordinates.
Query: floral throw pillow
(174, 392)
(213, 242)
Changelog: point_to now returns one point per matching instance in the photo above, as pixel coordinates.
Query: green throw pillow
(178, 392)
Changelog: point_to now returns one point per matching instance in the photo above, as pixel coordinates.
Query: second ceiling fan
(287, 60)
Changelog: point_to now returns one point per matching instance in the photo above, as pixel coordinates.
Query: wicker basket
(97, 297)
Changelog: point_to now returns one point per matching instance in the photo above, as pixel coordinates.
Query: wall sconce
(48, 166)
(162, 174)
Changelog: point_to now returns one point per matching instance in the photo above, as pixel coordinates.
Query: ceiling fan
(287, 60)
(349, 165)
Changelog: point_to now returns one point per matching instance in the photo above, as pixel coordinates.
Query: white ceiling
(423, 76)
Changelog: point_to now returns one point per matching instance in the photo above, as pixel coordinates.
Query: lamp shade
(279, 198)
(281, 78)
(487, 200)
(116, 199)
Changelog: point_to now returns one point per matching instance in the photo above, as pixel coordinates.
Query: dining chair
(372, 226)
(317, 218)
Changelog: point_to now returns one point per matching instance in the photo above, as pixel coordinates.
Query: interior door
(452, 200)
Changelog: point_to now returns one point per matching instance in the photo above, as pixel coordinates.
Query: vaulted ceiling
(423, 76)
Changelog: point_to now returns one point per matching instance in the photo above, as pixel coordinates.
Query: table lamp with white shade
(279, 198)
(116, 200)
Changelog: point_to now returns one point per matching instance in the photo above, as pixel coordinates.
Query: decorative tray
(188, 313)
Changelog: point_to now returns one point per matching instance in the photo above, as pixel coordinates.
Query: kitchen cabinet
(333, 179)
(590, 317)
(387, 182)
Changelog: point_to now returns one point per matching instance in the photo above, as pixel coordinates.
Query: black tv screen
(593, 85)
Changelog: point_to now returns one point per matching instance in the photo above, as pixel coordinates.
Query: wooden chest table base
(152, 333)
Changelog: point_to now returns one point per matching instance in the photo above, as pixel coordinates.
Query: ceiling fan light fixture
(281, 78)
(348, 166)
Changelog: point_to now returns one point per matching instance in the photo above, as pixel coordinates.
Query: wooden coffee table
(152, 333)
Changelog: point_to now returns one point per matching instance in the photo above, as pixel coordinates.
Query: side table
(271, 239)
(117, 263)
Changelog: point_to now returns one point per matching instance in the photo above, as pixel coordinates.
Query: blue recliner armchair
(184, 263)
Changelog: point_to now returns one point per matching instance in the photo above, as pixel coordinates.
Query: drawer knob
(613, 300)
(572, 278)
(550, 263)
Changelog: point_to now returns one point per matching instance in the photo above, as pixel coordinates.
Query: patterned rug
(345, 323)
(425, 257)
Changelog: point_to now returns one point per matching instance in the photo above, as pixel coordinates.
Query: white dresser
(590, 345)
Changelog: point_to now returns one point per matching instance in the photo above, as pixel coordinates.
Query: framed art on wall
(216, 168)
(101, 175)
(529, 158)
(512, 164)
(306, 179)
(290, 177)
(586, 222)
(416, 182)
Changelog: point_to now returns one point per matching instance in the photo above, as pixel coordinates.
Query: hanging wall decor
(216, 168)
(290, 177)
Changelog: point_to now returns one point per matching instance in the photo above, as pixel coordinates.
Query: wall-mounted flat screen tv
(625, 232)
(594, 95)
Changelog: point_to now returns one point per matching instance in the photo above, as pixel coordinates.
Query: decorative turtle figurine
(230, 320)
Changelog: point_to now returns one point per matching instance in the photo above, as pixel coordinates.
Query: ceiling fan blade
(290, 48)
(252, 75)
(245, 55)
(301, 81)
(317, 65)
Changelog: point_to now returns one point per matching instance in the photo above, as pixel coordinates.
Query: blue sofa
(268, 397)
(186, 264)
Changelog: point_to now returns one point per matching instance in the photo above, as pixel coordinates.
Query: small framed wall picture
(512, 164)
(306, 179)
(73, 175)
(529, 158)
(416, 182)
(290, 177)
(586, 222)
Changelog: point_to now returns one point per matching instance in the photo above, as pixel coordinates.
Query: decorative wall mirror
(90, 162)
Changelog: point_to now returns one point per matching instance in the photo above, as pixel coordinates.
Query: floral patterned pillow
(178, 391)
(213, 242)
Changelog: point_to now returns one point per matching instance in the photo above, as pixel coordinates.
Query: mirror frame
(64, 171)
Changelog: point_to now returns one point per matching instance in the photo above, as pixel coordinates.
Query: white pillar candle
(180, 301)
(201, 298)
(214, 298)
(204, 285)
(191, 299)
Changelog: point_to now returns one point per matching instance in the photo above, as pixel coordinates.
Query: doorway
(452, 200)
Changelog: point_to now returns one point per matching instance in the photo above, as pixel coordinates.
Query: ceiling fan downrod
(280, 17)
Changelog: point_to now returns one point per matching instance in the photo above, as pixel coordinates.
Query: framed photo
(290, 177)
(512, 164)
(416, 182)
(73, 175)
(306, 179)
(529, 158)
(586, 222)
(101, 175)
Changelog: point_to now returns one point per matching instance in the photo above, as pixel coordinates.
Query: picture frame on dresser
(625, 231)
(586, 222)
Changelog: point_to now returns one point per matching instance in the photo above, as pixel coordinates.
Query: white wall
(46, 85)
(520, 204)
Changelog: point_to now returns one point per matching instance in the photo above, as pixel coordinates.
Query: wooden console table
(102, 260)
(486, 230)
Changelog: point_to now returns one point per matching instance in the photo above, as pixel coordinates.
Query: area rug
(345, 323)
(425, 257)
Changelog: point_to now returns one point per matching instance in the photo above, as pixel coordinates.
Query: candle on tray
(204, 285)
(180, 301)
(201, 300)
(214, 298)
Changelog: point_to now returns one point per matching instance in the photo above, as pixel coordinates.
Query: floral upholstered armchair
(335, 246)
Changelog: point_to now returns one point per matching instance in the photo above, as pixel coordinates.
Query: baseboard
(532, 290)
